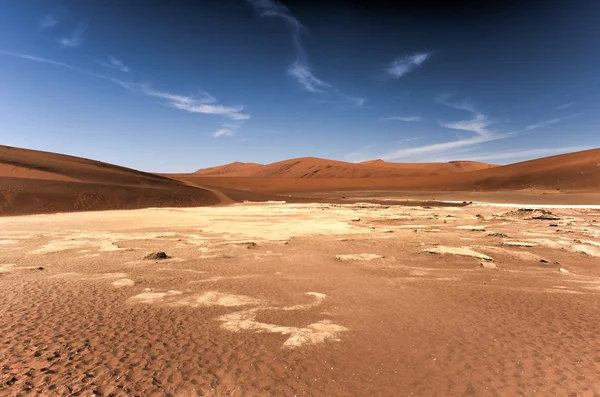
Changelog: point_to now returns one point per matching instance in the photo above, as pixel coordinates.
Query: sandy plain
(270, 299)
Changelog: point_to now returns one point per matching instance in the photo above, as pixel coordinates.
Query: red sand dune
(228, 168)
(312, 167)
(575, 172)
(39, 182)
(432, 168)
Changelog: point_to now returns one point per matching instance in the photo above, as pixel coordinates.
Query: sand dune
(229, 168)
(573, 172)
(431, 168)
(40, 182)
(312, 167)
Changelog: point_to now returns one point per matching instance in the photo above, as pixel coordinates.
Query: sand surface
(255, 301)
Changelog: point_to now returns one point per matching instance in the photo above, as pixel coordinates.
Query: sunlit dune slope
(229, 168)
(578, 172)
(311, 167)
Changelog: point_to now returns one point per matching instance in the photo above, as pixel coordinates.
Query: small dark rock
(553, 225)
(11, 381)
(157, 255)
(543, 261)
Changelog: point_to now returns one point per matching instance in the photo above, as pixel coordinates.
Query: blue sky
(174, 86)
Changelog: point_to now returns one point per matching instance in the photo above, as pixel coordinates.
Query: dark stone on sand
(157, 255)
(543, 261)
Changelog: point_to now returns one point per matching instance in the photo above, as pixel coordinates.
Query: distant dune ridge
(312, 167)
(229, 168)
(41, 182)
(573, 172)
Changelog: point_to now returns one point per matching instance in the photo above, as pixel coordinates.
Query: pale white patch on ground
(523, 255)
(570, 245)
(150, 297)
(463, 251)
(534, 206)
(221, 278)
(213, 298)
(12, 267)
(9, 242)
(83, 276)
(169, 269)
(319, 298)
(472, 228)
(210, 298)
(124, 282)
(315, 333)
(518, 244)
(357, 257)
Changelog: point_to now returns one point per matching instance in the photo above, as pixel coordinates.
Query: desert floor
(302, 299)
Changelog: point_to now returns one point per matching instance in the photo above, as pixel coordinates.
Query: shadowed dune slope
(311, 167)
(576, 172)
(40, 182)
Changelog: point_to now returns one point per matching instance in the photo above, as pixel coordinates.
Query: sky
(174, 86)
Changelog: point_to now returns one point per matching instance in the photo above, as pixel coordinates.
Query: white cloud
(228, 129)
(403, 65)
(478, 124)
(305, 77)
(75, 39)
(546, 123)
(116, 64)
(527, 154)
(48, 21)
(223, 132)
(300, 68)
(403, 118)
(565, 106)
(202, 103)
(440, 147)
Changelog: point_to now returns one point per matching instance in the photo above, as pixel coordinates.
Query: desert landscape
(308, 277)
(296, 198)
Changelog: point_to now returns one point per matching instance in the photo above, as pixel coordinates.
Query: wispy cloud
(223, 132)
(116, 64)
(546, 123)
(403, 65)
(477, 124)
(527, 154)
(565, 106)
(203, 103)
(305, 77)
(227, 129)
(75, 39)
(48, 21)
(440, 147)
(300, 68)
(402, 118)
